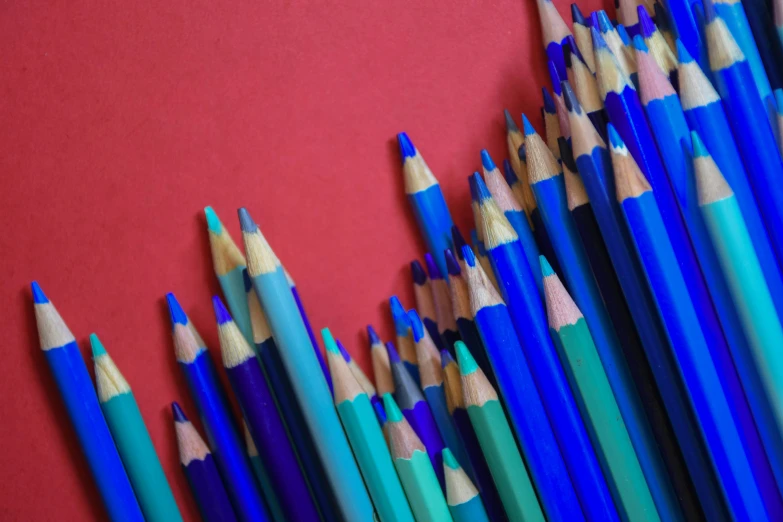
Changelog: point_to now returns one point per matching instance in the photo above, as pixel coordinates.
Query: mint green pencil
(132, 439)
(461, 495)
(414, 467)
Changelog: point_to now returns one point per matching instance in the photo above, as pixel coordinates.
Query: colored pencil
(585, 86)
(749, 291)
(562, 116)
(414, 467)
(202, 474)
(366, 438)
(595, 169)
(309, 387)
(623, 34)
(778, 93)
(462, 496)
(81, 402)
(424, 194)
(497, 442)
(422, 291)
(664, 24)
(584, 40)
(754, 137)
(405, 344)
(481, 255)
(476, 214)
(260, 412)
(229, 265)
(658, 47)
(264, 479)
(610, 41)
(705, 114)
(549, 114)
(549, 188)
(628, 16)
(456, 405)
(554, 32)
(380, 414)
(512, 210)
(517, 177)
(770, 48)
(205, 389)
(527, 313)
(447, 325)
(691, 351)
(132, 439)
(381, 368)
(683, 24)
(522, 400)
(586, 373)
(432, 386)
(283, 391)
(417, 411)
(357, 373)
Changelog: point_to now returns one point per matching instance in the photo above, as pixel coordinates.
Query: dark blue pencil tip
(416, 327)
(481, 188)
(646, 25)
(445, 358)
(469, 256)
(343, 351)
(175, 310)
(682, 53)
(474, 197)
(511, 125)
(614, 138)
(459, 241)
(549, 103)
(246, 223)
(639, 45)
(419, 277)
(379, 412)
(577, 16)
(451, 263)
(509, 174)
(394, 357)
(604, 24)
(486, 160)
(529, 130)
(432, 268)
(598, 40)
(554, 78)
(38, 295)
(221, 314)
(407, 150)
(372, 335)
(570, 99)
(179, 415)
(246, 279)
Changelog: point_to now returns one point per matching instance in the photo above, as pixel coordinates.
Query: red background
(122, 120)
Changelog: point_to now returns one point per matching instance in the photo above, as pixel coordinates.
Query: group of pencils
(609, 348)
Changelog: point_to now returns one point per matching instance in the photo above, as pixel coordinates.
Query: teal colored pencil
(263, 477)
(743, 273)
(132, 439)
(414, 467)
(461, 495)
(307, 379)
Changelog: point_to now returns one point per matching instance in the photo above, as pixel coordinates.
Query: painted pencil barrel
(434, 221)
(470, 511)
(522, 228)
(422, 488)
(440, 412)
(213, 502)
(311, 335)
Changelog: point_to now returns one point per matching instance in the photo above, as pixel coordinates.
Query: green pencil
(366, 438)
(414, 467)
(263, 477)
(596, 401)
(132, 439)
(496, 440)
(461, 495)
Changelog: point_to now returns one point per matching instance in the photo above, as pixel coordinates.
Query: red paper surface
(122, 120)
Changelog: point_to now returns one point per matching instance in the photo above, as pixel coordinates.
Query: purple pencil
(263, 419)
(417, 412)
(201, 472)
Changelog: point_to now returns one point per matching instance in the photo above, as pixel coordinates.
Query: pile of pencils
(609, 347)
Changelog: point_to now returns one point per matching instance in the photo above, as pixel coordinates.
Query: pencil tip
(486, 160)
(416, 326)
(646, 25)
(394, 357)
(569, 97)
(473, 190)
(419, 277)
(179, 415)
(549, 103)
(379, 412)
(175, 310)
(529, 130)
(221, 314)
(508, 172)
(604, 24)
(511, 125)
(340, 346)
(623, 34)
(459, 241)
(682, 52)
(576, 15)
(481, 188)
(372, 335)
(407, 150)
(246, 223)
(445, 358)
(97, 346)
(614, 138)
(469, 256)
(449, 460)
(393, 413)
(598, 40)
(639, 45)
(329, 343)
(699, 150)
(554, 77)
(246, 279)
(467, 364)
(398, 315)
(38, 295)
(213, 222)
(546, 268)
(451, 263)
(432, 268)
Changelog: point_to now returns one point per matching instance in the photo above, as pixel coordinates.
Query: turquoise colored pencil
(462, 496)
(414, 467)
(306, 376)
(366, 438)
(81, 403)
(275, 509)
(132, 439)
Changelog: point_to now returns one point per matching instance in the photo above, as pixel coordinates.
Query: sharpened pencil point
(221, 314)
(407, 150)
(529, 130)
(394, 357)
(343, 351)
(604, 24)
(598, 40)
(449, 459)
(379, 412)
(246, 279)
(699, 150)
(646, 25)
(467, 364)
(213, 222)
(38, 295)
(570, 99)
(486, 160)
(481, 188)
(469, 256)
(432, 268)
(246, 223)
(614, 138)
(473, 191)
(179, 415)
(97, 346)
(451, 263)
(576, 15)
(393, 413)
(508, 173)
(682, 53)
(623, 34)
(546, 268)
(445, 358)
(511, 125)
(459, 240)
(639, 45)
(175, 310)
(549, 103)
(329, 343)
(372, 335)
(416, 326)
(399, 317)
(419, 277)
(554, 77)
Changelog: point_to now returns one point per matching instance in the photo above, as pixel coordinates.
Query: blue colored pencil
(627, 15)
(549, 188)
(769, 45)
(447, 325)
(425, 304)
(582, 36)
(424, 194)
(753, 136)
(481, 255)
(658, 47)
(609, 40)
(532, 426)
(549, 112)
(691, 351)
(263, 420)
(202, 474)
(685, 27)
(517, 176)
(663, 21)
(554, 32)
(595, 169)
(205, 389)
(583, 82)
(418, 413)
(307, 380)
(380, 364)
(81, 403)
(405, 344)
(623, 33)
(524, 304)
(555, 78)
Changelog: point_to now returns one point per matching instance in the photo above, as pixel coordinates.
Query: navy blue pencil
(425, 304)
(405, 344)
(202, 474)
(447, 325)
(229, 451)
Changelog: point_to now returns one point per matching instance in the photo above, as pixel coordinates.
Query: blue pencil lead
(486, 160)
(175, 310)
(598, 40)
(594, 20)
(468, 256)
(401, 323)
(451, 264)
(646, 25)
(394, 357)
(481, 188)
(458, 240)
(407, 150)
(508, 173)
(529, 130)
(419, 277)
(614, 138)
(624, 36)
(511, 125)
(604, 24)
(416, 326)
(221, 314)
(373, 336)
(472, 184)
(554, 78)
(179, 415)
(432, 268)
(577, 16)
(246, 223)
(549, 103)
(682, 53)
(379, 412)
(38, 295)
(570, 99)
(639, 45)
(546, 268)
(343, 351)
(445, 358)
